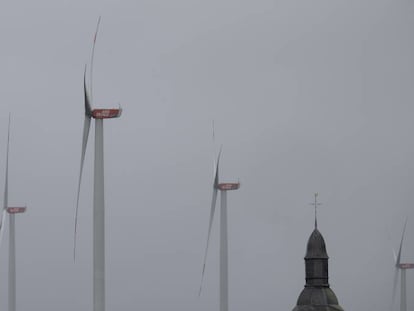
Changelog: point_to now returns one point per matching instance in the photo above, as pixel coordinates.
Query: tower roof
(316, 247)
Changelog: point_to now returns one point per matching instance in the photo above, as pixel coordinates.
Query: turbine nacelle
(228, 186)
(405, 266)
(16, 210)
(106, 113)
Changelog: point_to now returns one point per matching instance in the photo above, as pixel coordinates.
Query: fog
(306, 96)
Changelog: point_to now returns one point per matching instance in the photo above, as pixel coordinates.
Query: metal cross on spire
(316, 204)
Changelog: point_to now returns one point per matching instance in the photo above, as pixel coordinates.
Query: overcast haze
(307, 96)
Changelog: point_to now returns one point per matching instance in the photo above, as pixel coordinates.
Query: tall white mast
(12, 211)
(12, 264)
(403, 303)
(99, 222)
(224, 274)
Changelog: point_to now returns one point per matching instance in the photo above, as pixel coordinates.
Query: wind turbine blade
(86, 127)
(214, 135)
(398, 261)
(6, 188)
(213, 208)
(6, 182)
(93, 52)
(394, 254)
(394, 287)
(214, 151)
(2, 225)
(88, 108)
(216, 173)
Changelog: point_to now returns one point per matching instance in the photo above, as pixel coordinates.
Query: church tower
(317, 295)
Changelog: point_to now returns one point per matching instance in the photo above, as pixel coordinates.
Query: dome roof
(317, 297)
(316, 246)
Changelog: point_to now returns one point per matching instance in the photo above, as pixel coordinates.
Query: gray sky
(306, 96)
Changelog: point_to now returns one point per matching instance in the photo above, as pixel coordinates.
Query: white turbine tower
(98, 193)
(401, 267)
(11, 211)
(223, 187)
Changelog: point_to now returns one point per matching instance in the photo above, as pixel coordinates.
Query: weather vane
(316, 204)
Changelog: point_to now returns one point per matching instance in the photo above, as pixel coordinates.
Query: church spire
(317, 294)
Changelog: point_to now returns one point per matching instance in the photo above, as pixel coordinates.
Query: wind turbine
(223, 188)
(11, 211)
(401, 267)
(98, 193)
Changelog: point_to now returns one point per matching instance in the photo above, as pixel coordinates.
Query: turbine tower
(11, 211)
(401, 267)
(223, 188)
(98, 193)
